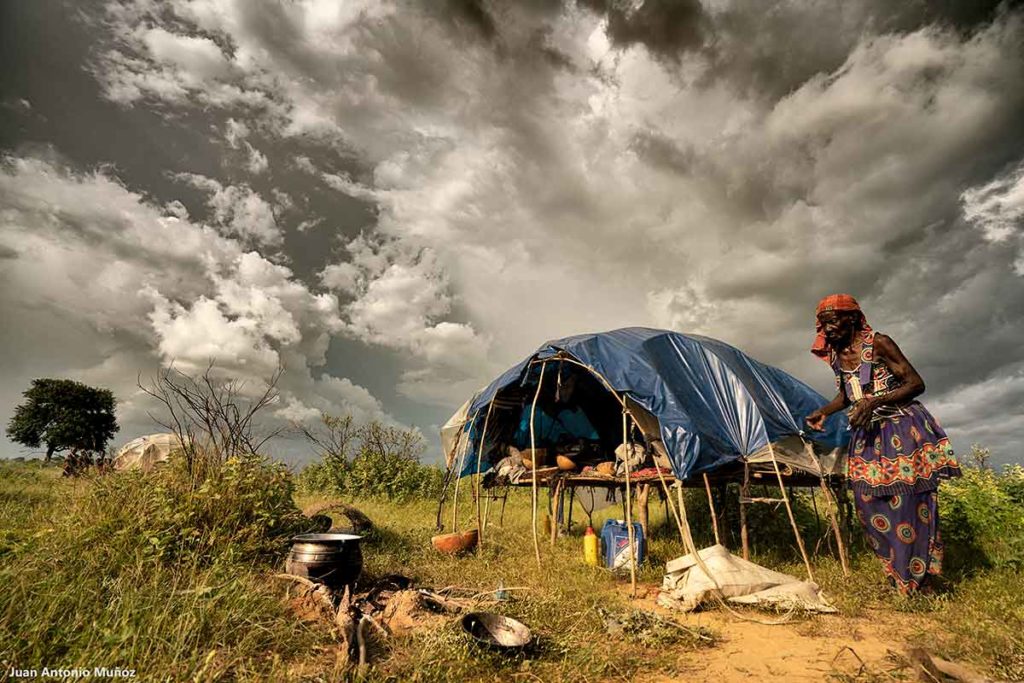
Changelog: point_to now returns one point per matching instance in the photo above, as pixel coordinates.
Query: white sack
(797, 595)
(686, 585)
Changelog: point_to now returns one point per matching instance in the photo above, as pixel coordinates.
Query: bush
(386, 462)
(391, 476)
(1012, 483)
(385, 475)
(982, 519)
(241, 511)
(143, 571)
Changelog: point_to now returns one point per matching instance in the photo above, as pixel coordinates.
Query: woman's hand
(860, 414)
(816, 421)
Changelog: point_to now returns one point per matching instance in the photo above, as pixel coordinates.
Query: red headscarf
(833, 302)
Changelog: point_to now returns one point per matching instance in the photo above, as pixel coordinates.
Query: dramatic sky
(397, 200)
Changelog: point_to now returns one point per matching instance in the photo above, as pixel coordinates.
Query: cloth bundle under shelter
(689, 584)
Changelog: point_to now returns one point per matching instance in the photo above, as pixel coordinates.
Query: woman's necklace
(857, 347)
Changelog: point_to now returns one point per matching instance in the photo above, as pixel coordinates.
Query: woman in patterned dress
(898, 452)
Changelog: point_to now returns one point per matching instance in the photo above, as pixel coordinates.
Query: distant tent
(702, 404)
(146, 452)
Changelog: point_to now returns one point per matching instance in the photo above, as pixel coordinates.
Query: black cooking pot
(334, 560)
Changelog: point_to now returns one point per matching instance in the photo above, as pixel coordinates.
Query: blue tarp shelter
(705, 402)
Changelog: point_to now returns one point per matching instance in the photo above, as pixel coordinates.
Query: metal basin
(494, 630)
(334, 560)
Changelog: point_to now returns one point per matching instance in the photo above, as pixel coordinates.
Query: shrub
(982, 519)
(1012, 483)
(144, 571)
(372, 460)
(243, 510)
(392, 476)
(389, 475)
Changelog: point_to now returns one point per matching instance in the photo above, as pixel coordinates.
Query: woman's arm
(911, 384)
(816, 420)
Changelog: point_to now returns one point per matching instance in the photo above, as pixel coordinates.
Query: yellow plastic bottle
(590, 546)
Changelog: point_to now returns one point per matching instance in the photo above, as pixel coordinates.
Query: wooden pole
(572, 500)
(744, 495)
(554, 510)
(487, 508)
(477, 488)
(458, 478)
(668, 500)
(789, 511)
(629, 505)
(533, 461)
(641, 498)
(832, 506)
(684, 524)
(711, 506)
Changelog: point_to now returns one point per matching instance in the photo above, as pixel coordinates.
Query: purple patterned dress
(894, 467)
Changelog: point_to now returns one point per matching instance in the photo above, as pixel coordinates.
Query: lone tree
(64, 415)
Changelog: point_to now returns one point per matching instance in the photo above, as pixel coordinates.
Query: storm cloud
(396, 200)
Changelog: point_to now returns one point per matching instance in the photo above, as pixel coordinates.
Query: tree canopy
(64, 414)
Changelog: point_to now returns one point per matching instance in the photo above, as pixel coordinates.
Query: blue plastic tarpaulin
(713, 403)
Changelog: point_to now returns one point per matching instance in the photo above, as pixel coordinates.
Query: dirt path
(806, 649)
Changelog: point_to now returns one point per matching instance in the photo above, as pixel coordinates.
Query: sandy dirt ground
(816, 648)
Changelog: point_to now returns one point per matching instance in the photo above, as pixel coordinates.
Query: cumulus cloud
(238, 210)
(122, 287)
(399, 298)
(196, 56)
(235, 134)
(997, 209)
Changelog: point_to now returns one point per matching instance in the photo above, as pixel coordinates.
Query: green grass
(81, 586)
(183, 609)
(558, 602)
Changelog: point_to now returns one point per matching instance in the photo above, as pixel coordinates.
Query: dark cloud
(777, 46)
(471, 178)
(472, 13)
(665, 27)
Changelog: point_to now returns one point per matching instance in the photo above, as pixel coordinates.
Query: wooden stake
(711, 506)
(533, 461)
(572, 500)
(477, 488)
(684, 524)
(458, 479)
(629, 505)
(641, 498)
(832, 506)
(668, 499)
(789, 511)
(745, 493)
(554, 510)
